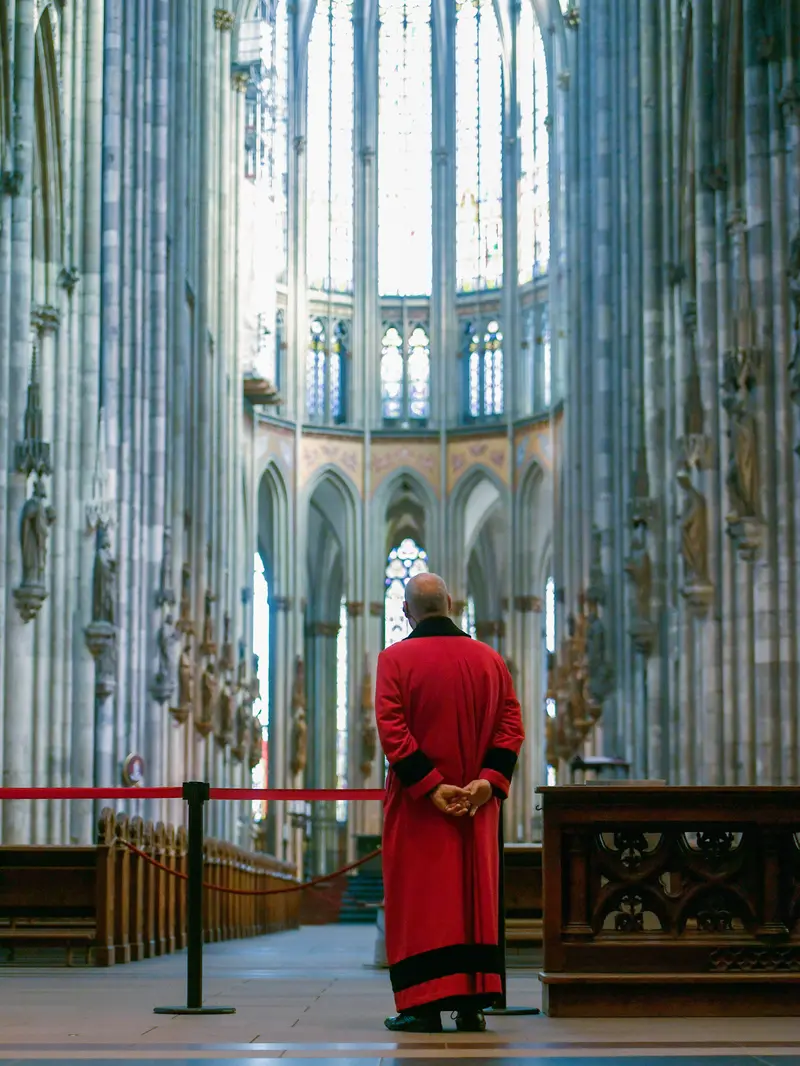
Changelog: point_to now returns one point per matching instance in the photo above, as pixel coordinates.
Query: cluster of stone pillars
(681, 417)
(125, 454)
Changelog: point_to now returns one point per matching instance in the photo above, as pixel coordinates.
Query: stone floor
(312, 995)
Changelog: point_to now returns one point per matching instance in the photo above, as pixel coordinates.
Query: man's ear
(449, 604)
(405, 609)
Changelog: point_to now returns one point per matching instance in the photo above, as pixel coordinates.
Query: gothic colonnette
(586, 418)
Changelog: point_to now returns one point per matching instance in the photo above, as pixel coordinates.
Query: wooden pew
(523, 895)
(61, 896)
(117, 907)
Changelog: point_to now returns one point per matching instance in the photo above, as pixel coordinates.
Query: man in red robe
(451, 729)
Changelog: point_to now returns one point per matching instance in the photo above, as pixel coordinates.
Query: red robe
(446, 713)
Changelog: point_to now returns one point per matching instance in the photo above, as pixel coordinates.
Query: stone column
(18, 635)
(280, 718)
(357, 663)
(83, 667)
(759, 252)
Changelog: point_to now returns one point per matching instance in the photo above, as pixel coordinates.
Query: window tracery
(404, 157)
(484, 370)
(404, 561)
(479, 147)
(330, 148)
(533, 222)
(405, 375)
(326, 370)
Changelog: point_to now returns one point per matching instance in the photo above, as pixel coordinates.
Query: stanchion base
(511, 1012)
(194, 1010)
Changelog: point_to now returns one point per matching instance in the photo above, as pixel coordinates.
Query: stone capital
(44, 318)
(283, 603)
(323, 629)
(528, 604)
(355, 609)
(223, 19)
(240, 80)
(376, 609)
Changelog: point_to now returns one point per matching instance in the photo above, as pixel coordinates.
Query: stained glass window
(280, 347)
(404, 561)
(392, 374)
(485, 370)
(533, 231)
(341, 710)
(405, 375)
(404, 148)
(325, 370)
(419, 374)
(315, 371)
(276, 116)
(329, 149)
(261, 650)
(479, 147)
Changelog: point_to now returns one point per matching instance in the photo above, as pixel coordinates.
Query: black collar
(437, 626)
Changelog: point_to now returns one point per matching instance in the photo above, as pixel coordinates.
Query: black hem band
(457, 959)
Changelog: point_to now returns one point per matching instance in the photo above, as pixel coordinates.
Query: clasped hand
(455, 801)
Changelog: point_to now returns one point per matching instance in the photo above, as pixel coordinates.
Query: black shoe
(415, 1022)
(470, 1021)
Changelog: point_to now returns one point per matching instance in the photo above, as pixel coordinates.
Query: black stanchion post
(503, 1008)
(196, 794)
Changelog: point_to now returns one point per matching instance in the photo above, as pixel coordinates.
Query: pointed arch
(477, 524)
(273, 542)
(405, 505)
(47, 171)
(5, 85)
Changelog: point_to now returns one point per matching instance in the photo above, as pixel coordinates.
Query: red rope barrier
(311, 795)
(254, 891)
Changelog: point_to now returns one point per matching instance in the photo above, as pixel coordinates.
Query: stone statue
(104, 579)
(186, 676)
(742, 477)
(299, 742)
(35, 525)
(166, 639)
(694, 532)
(640, 569)
(256, 741)
(227, 714)
(210, 693)
(165, 594)
(185, 614)
(208, 623)
(242, 724)
(600, 676)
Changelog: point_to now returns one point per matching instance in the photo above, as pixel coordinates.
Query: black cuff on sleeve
(413, 769)
(502, 761)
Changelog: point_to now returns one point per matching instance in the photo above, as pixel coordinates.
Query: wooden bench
(523, 894)
(117, 907)
(59, 896)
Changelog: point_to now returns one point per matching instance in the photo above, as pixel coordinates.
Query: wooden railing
(671, 901)
(116, 906)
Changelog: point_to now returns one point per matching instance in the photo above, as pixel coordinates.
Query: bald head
(427, 597)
